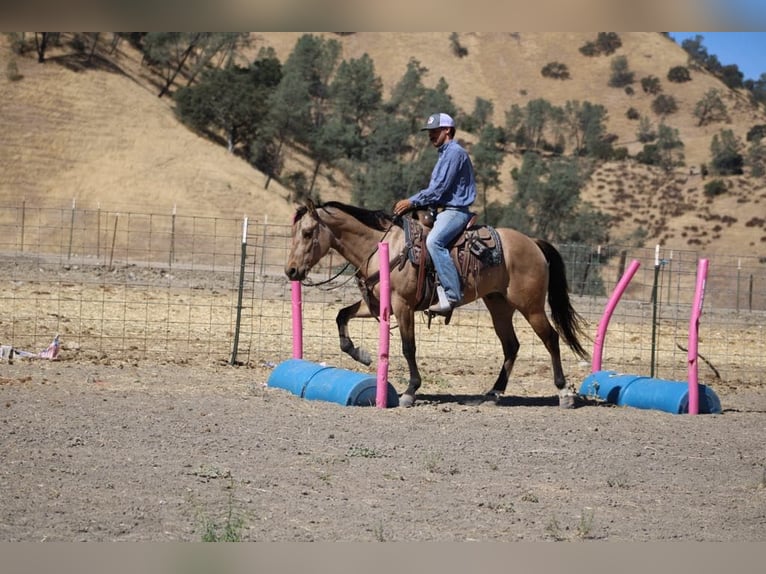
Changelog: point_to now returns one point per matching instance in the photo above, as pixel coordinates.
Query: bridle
(315, 243)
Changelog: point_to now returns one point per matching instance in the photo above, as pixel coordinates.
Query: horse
(530, 270)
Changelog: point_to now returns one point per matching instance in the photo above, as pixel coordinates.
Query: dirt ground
(166, 452)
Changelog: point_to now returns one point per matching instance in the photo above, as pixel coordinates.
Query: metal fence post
(242, 259)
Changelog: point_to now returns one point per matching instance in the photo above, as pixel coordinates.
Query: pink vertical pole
(297, 319)
(381, 394)
(694, 324)
(622, 284)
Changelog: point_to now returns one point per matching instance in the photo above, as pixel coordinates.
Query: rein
(308, 283)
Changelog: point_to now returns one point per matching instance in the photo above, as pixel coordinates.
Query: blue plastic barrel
(318, 382)
(647, 393)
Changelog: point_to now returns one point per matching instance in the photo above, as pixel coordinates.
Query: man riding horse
(452, 190)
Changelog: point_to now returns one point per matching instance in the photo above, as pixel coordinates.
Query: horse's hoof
(363, 356)
(406, 400)
(567, 400)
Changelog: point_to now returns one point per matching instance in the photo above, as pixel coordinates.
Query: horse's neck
(358, 245)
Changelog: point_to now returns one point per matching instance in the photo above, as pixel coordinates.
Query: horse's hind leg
(550, 338)
(502, 320)
(346, 344)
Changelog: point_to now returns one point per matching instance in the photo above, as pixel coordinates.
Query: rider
(452, 189)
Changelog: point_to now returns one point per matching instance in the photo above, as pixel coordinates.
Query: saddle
(476, 248)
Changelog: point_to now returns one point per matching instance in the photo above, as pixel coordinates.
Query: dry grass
(102, 137)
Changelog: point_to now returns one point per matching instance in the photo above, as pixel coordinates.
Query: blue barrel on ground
(647, 393)
(313, 381)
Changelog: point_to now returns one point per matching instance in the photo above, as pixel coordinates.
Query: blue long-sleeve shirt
(452, 180)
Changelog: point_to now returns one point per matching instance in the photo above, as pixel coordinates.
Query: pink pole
(381, 393)
(622, 284)
(297, 320)
(694, 324)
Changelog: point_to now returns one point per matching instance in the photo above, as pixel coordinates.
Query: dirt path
(168, 452)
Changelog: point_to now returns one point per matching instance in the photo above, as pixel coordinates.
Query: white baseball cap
(436, 121)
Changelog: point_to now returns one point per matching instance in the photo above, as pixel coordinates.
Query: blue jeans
(448, 225)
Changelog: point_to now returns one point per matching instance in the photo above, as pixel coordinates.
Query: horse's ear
(312, 208)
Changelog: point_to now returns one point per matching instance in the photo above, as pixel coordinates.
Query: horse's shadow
(505, 401)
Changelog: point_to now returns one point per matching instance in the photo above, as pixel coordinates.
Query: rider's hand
(402, 206)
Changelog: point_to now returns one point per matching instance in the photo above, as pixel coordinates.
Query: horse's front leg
(346, 344)
(406, 320)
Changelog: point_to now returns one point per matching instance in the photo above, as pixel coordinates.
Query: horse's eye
(307, 234)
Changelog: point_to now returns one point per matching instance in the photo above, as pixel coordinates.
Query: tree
(726, 157)
(356, 94)
(664, 105)
(621, 76)
(669, 148)
(757, 89)
(651, 85)
(710, 108)
(233, 100)
(457, 49)
(170, 51)
(593, 127)
(488, 156)
(555, 70)
(41, 45)
(479, 118)
(696, 50)
(547, 202)
(679, 74)
(298, 108)
(756, 158)
(732, 76)
(216, 45)
(646, 132)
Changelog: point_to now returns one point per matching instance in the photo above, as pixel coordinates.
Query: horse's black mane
(376, 219)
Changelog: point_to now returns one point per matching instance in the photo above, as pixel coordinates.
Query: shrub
(679, 74)
(589, 49)
(12, 71)
(632, 114)
(651, 85)
(714, 188)
(757, 132)
(650, 155)
(664, 105)
(457, 48)
(621, 75)
(606, 44)
(555, 70)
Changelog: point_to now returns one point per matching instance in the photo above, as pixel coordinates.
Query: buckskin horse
(528, 271)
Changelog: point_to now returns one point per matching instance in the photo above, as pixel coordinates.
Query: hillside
(101, 135)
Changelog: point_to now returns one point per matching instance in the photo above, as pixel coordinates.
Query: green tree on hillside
(621, 75)
(710, 108)
(547, 202)
(170, 52)
(232, 100)
(298, 108)
(217, 51)
(479, 118)
(488, 156)
(726, 157)
(356, 94)
(669, 148)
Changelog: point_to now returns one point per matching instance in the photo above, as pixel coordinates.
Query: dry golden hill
(101, 135)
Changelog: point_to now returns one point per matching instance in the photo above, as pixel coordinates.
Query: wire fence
(177, 288)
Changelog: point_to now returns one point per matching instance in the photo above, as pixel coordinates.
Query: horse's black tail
(567, 320)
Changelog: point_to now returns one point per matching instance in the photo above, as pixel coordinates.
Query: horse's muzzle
(295, 274)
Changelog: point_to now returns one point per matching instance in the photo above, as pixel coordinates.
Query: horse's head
(311, 240)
